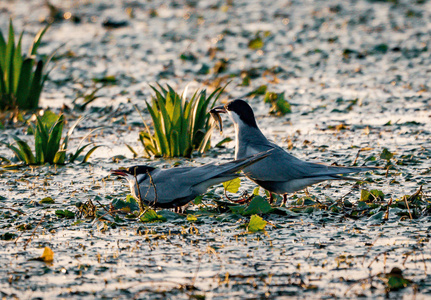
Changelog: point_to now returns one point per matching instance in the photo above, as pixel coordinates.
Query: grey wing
(180, 182)
(282, 166)
(175, 183)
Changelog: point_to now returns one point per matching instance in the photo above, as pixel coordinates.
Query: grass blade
(87, 156)
(2, 51)
(37, 40)
(60, 157)
(78, 152)
(10, 49)
(17, 63)
(162, 143)
(54, 137)
(18, 153)
(25, 151)
(24, 83)
(36, 87)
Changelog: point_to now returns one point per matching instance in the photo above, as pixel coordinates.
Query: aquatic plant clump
(180, 125)
(21, 76)
(48, 145)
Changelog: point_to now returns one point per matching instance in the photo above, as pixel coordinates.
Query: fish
(216, 116)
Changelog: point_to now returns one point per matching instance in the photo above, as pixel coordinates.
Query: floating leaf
(232, 186)
(191, 218)
(129, 205)
(371, 196)
(151, 216)
(110, 79)
(48, 255)
(65, 214)
(47, 200)
(377, 218)
(261, 90)
(386, 154)
(7, 236)
(279, 105)
(256, 224)
(258, 205)
(256, 43)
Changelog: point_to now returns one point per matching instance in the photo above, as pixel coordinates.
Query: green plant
(21, 76)
(180, 125)
(280, 106)
(49, 148)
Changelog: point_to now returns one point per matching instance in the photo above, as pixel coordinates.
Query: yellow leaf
(232, 186)
(48, 255)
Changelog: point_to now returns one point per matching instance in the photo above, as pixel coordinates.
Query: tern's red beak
(119, 172)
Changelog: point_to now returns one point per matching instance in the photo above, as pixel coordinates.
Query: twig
(108, 213)
(154, 185)
(103, 206)
(141, 203)
(386, 216)
(31, 236)
(197, 271)
(15, 210)
(372, 244)
(408, 208)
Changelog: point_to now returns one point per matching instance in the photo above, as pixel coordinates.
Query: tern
(175, 187)
(281, 172)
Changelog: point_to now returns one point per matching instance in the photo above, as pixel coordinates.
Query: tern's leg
(284, 199)
(271, 198)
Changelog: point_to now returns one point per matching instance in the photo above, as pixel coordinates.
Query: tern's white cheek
(234, 117)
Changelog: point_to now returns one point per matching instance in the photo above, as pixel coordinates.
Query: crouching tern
(281, 172)
(175, 187)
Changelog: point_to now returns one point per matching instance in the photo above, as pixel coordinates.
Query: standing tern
(281, 172)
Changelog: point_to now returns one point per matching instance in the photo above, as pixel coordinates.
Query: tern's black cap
(136, 170)
(243, 110)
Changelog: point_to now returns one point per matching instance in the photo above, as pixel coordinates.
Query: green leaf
(256, 43)
(261, 90)
(65, 214)
(17, 62)
(7, 236)
(232, 186)
(24, 83)
(47, 200)
(377, 218)
(25, 151)
(36, 86)
(54, 138)
(10, 50)
(258, 205)
(151, 216)
(129, 205)
(223, 141)
(19, 154)
(256, 224)
(37, 39)
(107, 79)
(386, 154)
(162, 142)
(60, 157)
(2, 52)
(371, 196)
(396, 283)
(87, 156)
(279, 105)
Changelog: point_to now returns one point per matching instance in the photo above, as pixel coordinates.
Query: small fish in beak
(215, 114)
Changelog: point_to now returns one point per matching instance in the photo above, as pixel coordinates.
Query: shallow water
(327, 55)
